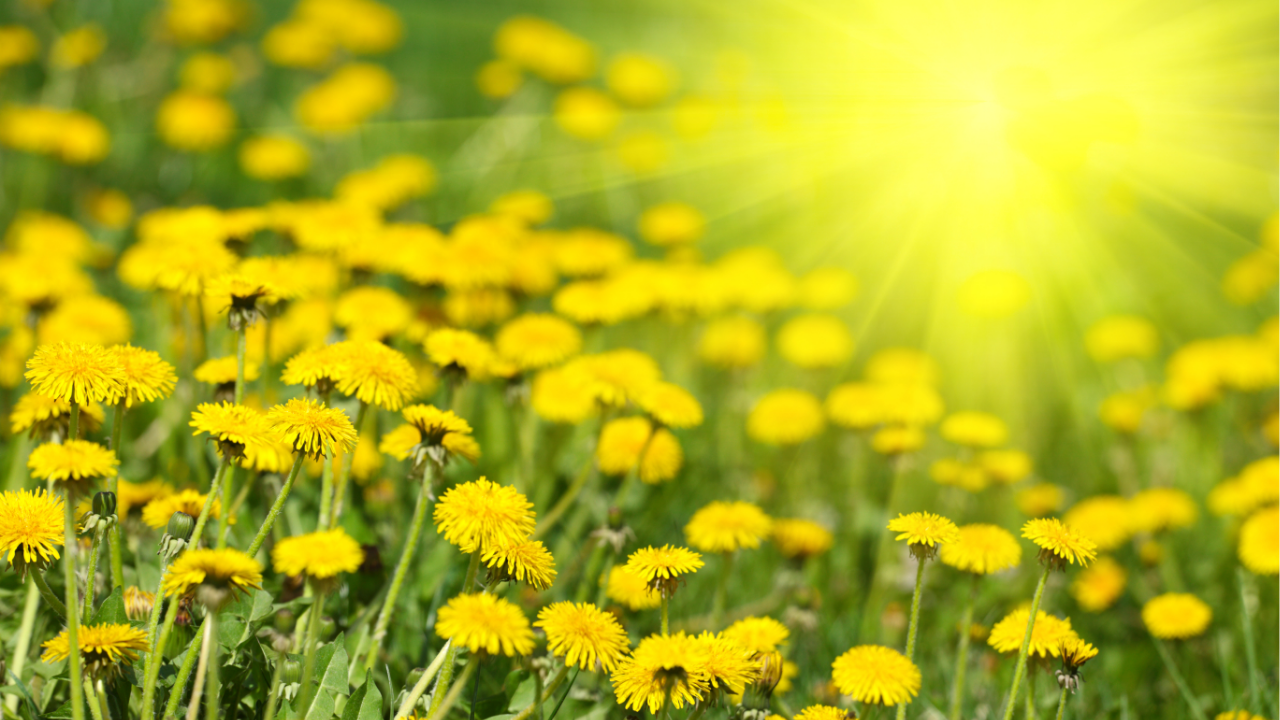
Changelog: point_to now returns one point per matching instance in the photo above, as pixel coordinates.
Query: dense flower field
(433, 360)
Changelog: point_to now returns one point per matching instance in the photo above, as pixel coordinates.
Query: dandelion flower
(235, 427)
(1076, 652)
(222, 370)
(313, 428)
(1059, 544)
(526, 561)
(727, 526)
(924, 532)
(1162, 508)
(583, 635)
(538, 340)
(43, 416)
(146, 376)
(222, 570)
(623, 439)
(321, 554)
(857, 406)
(1176, 616)
(876, 674)
(662, 567)
(671, 224)
(461, 350)
(823, 712)
(156, 513)
(801, 539)
(974, 429)
(897, 439)
(1098, 587)
(481, 515)
(1237, 715)
(631, 589)
(758, 634)
(982, 549)
(732, 342)
(663, 668)
(815, 341)
(434, 424)
(728, 665)
(103, 647)
(785, 417)
(1005, 466)
(1259, 548)
(562, 395)
(1121, 336)
(1039, 500)
(671, 405)
(377, 375)
(318, 367)
(479, 621)
(76, 373)
(902, 366)
(1047, 634)
(74, 463)
(31, 521)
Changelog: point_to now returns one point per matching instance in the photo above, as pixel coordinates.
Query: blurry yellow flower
(78, 47)
(671, 223)
(588, 252)
(902, 366)
(801, 539)
(274, 157)
(363, 27)
(966, 475)
(829, 288)
(207, 72)
(1124, 411)
(109, 208)
(394, 180)
(298, 43)
(480, 515)
(639, 80)
(461, 350)
(1121, 336)
(499, 79)
(545, 49)
(321, 554)
(815, 341)
(785, 417)
(1098, 587)
(822, 712)
(91, 319)
(670, 405)
(626, 587)
(725, 527)
(1249, 278)
(1006, 466)
(732, 342)
(70, 135)
(643, 151)
(618, 376)
(563, 395)
(876, 674)
(195, 121)
(585, 113)
(372, 313)
(974, 429)
(219, 371)
(1257, 485)
(1176, 616)
(758, 634)
(341, 102)
(44, 415)
(537, 340)
(897, 439)
(1104, 519)
(529, 206)
(1162, 508)
(857, 406)
(1259, 548)
(1047, 635)
(994, 294)
(621, 441)
(203, 21)
(606, 301)
(18, 45)
(157, 511)
(982, 549)
(481, 621)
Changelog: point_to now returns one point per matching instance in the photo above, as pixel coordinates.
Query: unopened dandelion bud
(103, 513)
(770, 673)
(177, 535)
(285, 621)
(138, 603)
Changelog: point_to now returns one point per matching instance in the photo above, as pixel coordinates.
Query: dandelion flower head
(727, 526)
(480, 621)
(1176, 616)
(480, 515)
(321, 554)
(982, 549)
(584, 635)
(876, 674)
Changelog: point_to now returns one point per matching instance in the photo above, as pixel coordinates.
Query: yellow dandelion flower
(671, 405)
(618, 376)
(463, 350)
(222, 370)
(313, 428)
(1162, 508)
(1047, 634)
(1121, 336)
(74, 462)
(146, 376)
(727, 526)
(732, 342)
(663, 668)
(157, 512)
(823, 712)
(876, 674)
(103, 647)
(801, 539)
(130, 495)
(42, 416)
(399, 443)
(974, 429)
(661, 567)
(481, 514)
(630, 589)
(1059, 543)
(1040, 500)
(316, 367)
(857, 406)
(902, 366)
(76, 373)
(224, 569)
(537, 340)
(785, 417)
(435, 424)
(1124, 411)
(1005, 466)
(924, 532)
(913, 404)
(623, 439)
(562, 395)
(671, 223)
(728, 665)
(235, 427)
(758, 634)
(526, 561)
(1259, 547)
(982, 549)
(31, 521)
(529, 206)
(583, 635)
(897, 439)
(1076, 652)
(481, 621)
(815, 341)
(372, 313)
(1098, 587)
(321, 554)
(377, 375)
(1176, 616)
(1238, 715)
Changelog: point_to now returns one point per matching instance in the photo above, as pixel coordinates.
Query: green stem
(154, 618)
(441, 709)
(446, 672)
(556, 710)
(666, 625)
(224, 517)
(402, 567)
(29, 609)
(698, 711)
(1250, 646)
(184, 673)
(313, 642)
(1196, 711)
(546, 695)
(1062, 703)
(326, 492)
(74, 432)
(1021, 667)
(46, 592)
(94, 708)
(722, 588)
(913, 626)
(558, 510)
(962, 654)
(73, 614)
(274, 696)
(240, 347)
(272, 514)
(94, 548)
(155, 657)
(198, 532)
(592, 570)
(113, 485)
(344, 471)
(420, 687)
(202, 346)
(1031, 695)
(208, 659)
(266, 360)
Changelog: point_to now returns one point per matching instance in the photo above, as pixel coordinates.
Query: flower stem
(913, 626)
(1021, 667)
(344, 470)
(95, 709)
(74, 429)
(722, 587)
(113, 485)
(326, 492)
(666, 625)
(446, 672)
(1062, 702)
(446, 703)
(240, 347)
(1031, 695)
(402, 567)
(48, 595)
(1196, 711)
(89, 584)
(558, 510)
(1250, 646)
(547, 693)
(193, 707)
(274, 696)
(272, 514)
(72, 594)
(155, 657)
(420, 687)
(313, 642)
(962, 654)
(29, 609)
(198, 531)
(184, 672)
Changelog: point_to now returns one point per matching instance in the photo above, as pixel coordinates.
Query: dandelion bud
(138, 603)
(103, 513)
(291, 672)
(770, 673)
(327, 628)
(176, 535)
(285, 620)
